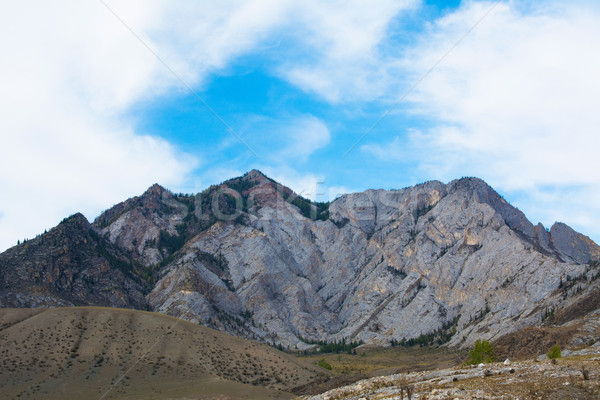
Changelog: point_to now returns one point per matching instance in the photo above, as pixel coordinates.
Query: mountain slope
(70, 265)
(435, 261)
(73, 353)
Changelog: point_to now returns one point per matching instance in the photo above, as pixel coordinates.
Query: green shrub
(554, 352)
(483, 352)
(324, 364)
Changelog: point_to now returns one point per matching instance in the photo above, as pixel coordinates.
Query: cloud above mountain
(512, 99)
(514, 102)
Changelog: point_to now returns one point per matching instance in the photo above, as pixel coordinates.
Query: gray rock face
(572, 245)
(543, 240)
(136, 224)
(385, 265)
(442, 261)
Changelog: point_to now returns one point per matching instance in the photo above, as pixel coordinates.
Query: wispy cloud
(518, 95)
(302, 136)
(287, 138)
(341, 58)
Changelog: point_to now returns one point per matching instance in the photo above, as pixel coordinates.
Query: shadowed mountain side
(70, 265)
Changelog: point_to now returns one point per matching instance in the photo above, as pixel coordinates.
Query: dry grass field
(107, 353)
(377, 361)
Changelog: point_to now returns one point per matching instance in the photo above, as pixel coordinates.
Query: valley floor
(371, 362)
(573, 377)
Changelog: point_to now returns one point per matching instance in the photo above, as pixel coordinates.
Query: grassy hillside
(107, 353)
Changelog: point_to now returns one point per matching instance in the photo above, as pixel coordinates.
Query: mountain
(110, 353)
(434, 263)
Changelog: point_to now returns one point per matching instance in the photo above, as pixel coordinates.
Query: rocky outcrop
(573, 246)
(138, 224)
(495, 381)
(435, 261)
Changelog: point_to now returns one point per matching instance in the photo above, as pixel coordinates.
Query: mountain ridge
(439, 262)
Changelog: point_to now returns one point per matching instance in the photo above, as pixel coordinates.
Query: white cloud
(516, 102)
(71, 70)
(304, 135)
(344, 60)
(330, 48)
(396, 150)
(520, 93)
(64, 147)
(289, 138)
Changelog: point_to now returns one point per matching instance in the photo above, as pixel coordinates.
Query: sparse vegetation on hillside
(324, 364)
(69, 353)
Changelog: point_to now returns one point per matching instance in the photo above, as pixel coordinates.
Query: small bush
(405, 386)
(554, 352)
(324, 364)
(483, 352)
(586, 373)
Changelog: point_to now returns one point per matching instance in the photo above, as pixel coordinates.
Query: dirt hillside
(105, 353)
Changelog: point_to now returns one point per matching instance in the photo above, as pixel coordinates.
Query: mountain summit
(431, 263)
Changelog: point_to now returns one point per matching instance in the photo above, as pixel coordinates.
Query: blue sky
(103, 98)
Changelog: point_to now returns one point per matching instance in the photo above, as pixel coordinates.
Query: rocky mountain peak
(255, 176)
(471, 184)
(250, 180)
(155, 190)
(78, 219)
(154, 199)
(478, 190)
(572, 245)
(258, 190)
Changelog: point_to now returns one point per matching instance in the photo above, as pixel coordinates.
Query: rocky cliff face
(436, 261)
(136, 224)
